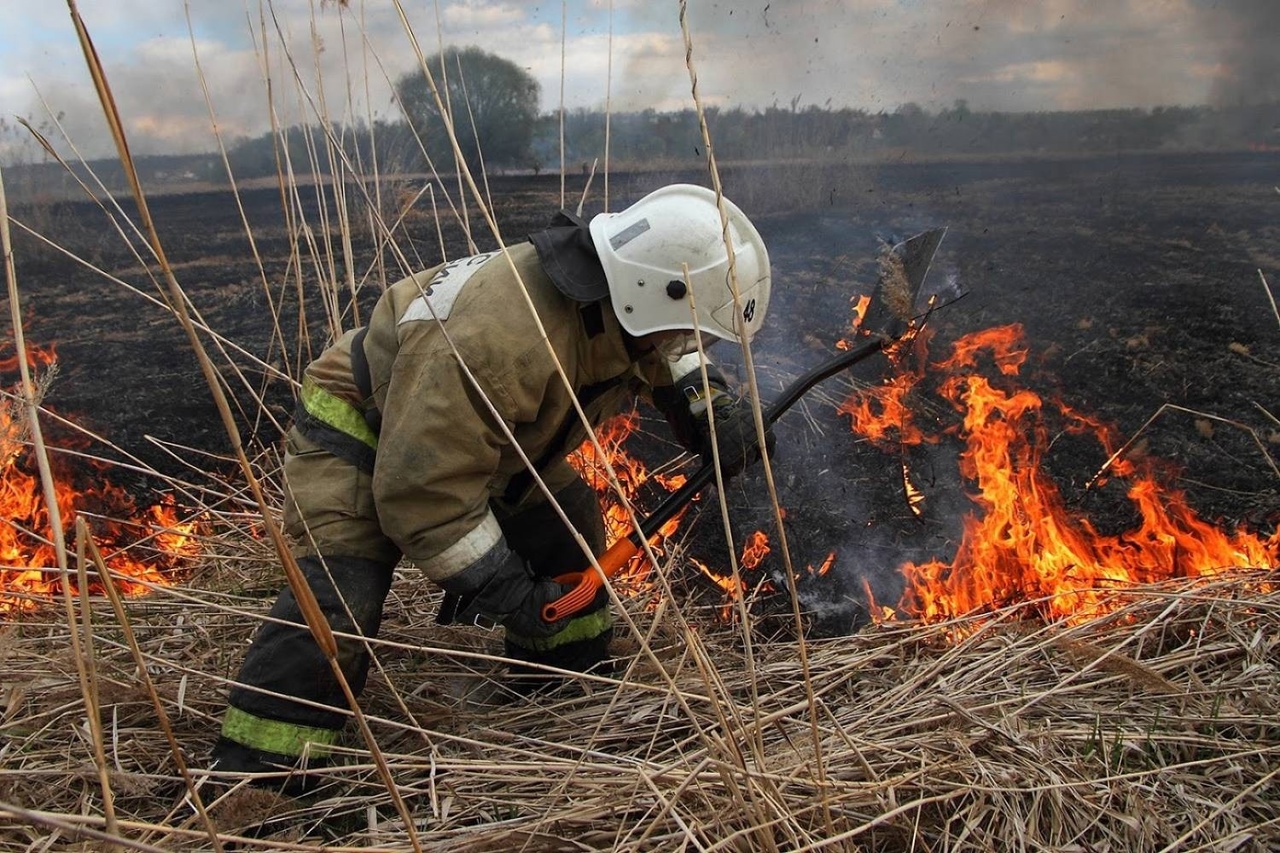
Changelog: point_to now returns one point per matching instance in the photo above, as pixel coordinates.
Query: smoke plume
(1250, 62)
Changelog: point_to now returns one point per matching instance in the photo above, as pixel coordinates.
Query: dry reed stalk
(1170, 407)
(83, 647)
(29, 387)
(277, 332)
(224, 343)
(755, 401)
(608, 107)
(564, 36)
(306, 599)
(118, 220)
(1266, 286)
(29, 390)
(86, 544)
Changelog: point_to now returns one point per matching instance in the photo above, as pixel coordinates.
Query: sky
(316, 57)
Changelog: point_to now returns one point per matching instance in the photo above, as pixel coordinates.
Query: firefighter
(412, 432)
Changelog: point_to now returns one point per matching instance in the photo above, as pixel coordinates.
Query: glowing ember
(1022, 544)
(29, 571)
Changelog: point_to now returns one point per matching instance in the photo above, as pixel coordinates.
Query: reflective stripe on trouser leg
(285, 658)
(276, 736)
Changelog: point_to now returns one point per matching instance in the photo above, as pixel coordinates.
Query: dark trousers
(285, 659)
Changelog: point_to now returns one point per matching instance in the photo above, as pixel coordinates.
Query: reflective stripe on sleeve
(336, 412)
(464, 552)
(275, 736)
(684, 365)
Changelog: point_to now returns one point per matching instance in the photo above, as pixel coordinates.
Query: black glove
(735, 437)
(499, 587)
(684, 404)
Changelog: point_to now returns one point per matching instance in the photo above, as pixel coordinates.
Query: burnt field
(1134, 279)
(1114, 305)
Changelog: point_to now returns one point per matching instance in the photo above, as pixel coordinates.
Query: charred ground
(1135, 278)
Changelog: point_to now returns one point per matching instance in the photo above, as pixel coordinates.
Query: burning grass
(1146, 721)
(145, 545)
(1152, 727)
(1023, 541)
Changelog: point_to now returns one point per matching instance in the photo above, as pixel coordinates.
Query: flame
(915, 497)
(755, 550)
(885, 412)
(1022, 543)
(825, 567)
(860, 306)
(142, 546)
(634, 476)
(734, 588)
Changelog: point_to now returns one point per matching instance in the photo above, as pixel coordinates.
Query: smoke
(1250, 63)
(994, 54)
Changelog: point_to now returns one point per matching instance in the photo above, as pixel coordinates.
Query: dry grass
(896, 288)
(1157, 727)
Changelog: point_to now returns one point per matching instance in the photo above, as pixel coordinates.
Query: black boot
(284, 773)
(590, 655)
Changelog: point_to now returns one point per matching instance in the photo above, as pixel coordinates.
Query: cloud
(479, 16)
(869, 54)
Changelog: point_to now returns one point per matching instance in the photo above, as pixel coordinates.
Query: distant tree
(491, 101)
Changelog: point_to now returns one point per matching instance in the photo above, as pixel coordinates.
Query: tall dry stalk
(755, 399)
(1266, 286)
(307, 603)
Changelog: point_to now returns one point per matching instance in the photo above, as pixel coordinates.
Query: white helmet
(644, 248)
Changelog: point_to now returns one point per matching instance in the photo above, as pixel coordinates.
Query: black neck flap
(569, 258)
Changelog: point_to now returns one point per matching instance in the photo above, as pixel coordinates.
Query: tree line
(494, 109)
(654, 138)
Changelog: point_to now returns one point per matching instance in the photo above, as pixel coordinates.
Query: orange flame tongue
(28, 561)
(633, 475)
(1023, 544)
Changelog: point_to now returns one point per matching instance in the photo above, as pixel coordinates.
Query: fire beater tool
(902, 274)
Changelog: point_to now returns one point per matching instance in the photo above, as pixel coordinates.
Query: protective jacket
(450, 353)
(398, 450)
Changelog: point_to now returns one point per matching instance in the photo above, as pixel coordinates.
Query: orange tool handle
(588, 582)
